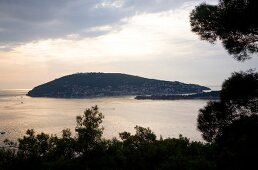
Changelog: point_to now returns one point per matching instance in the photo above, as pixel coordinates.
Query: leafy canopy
(234, 22)
(88, 129)
(88, 150)
(238, 98)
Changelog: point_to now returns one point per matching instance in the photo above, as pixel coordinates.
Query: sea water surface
(19, 112)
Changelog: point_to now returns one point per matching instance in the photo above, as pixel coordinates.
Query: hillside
(82, 85)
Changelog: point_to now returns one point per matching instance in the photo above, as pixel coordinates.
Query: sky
(44, 40)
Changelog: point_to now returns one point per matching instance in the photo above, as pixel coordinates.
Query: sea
(166, 118)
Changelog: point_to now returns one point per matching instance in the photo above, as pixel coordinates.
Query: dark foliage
(234, 22)
(240, 91)
(237, 141)
(238, 144)
(212, 118)
(88, 150)
(239, 97)
(88, 131)
(232, 123)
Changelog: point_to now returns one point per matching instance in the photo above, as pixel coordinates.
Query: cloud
(145, 35)
(155, 45)
(30, 20)
(43, 40)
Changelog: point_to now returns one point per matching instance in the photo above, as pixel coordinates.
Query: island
(212, 95)
(84, 85)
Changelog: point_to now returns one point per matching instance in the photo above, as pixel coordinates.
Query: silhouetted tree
(34, 145)
(7, 158)
(234, 22)
(137, 148)
(239, 97)
(88, 130)
(238, 144)
(212, 118)
(64, 147)
(87, 150)
(240, 91)
(142, 136)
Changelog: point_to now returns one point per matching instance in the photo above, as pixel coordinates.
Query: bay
(19, 112)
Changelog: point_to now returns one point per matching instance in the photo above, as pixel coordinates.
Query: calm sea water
(19, 112)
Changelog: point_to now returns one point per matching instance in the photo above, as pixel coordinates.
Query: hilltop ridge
(82, 85)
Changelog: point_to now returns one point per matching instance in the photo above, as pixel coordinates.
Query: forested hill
(110, 84)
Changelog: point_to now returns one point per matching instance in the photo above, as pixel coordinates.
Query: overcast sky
(41, 40)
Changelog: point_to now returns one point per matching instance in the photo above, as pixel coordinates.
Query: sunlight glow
(156, 45)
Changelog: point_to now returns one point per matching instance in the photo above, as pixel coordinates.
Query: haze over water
(19, 112)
